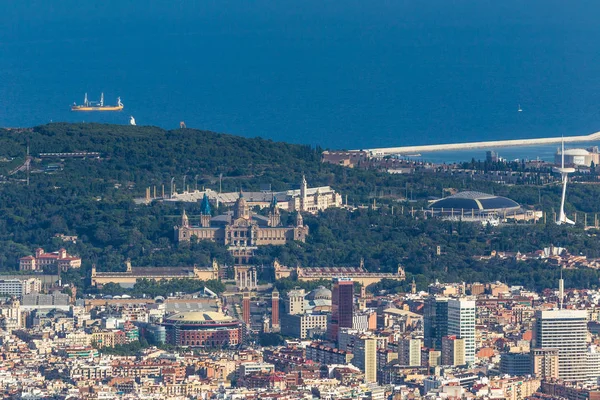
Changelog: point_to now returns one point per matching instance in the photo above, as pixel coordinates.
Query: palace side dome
(320, 293)
(476, 201)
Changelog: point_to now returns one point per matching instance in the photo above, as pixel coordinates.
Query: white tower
(303, 195)
(564, 173)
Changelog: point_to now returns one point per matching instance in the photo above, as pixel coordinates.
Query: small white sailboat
(131, 120)
(520, 109)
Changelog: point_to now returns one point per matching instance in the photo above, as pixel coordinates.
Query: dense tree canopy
(93, 199)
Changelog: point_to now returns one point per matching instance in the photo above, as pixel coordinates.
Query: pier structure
(405, 150)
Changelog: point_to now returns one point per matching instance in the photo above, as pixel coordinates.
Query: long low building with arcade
(358, 274)
(131, 275)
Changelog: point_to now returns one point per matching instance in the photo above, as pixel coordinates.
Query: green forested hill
(149, 155)
(92, 198)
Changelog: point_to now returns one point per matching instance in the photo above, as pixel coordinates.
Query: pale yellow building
(409, 352)
(453, 351)
(103, 338)
(131, 275)
(358, 274)
(545, 363)
(517, 388)
(365, 357)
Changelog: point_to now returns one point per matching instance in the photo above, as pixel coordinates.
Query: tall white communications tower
(564, 173)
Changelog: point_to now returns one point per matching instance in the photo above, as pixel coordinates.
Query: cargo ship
(97, 106)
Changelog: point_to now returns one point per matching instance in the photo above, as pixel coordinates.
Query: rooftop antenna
(561, 290)
(562, 153)
(27, 162)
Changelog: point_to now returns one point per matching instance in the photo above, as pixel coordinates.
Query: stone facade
(305, 199)
(58, 259)
(241, 231)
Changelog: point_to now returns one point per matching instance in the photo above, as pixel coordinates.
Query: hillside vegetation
(92, 198)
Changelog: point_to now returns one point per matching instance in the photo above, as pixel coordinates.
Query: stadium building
(478, 206)
(202, 329)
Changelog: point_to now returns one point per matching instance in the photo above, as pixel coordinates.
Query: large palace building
(203, 329)
(131, 275)
(242, 231)
(358, 274)
(304, 199)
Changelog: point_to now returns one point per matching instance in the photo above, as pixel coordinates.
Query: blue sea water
(342, 74)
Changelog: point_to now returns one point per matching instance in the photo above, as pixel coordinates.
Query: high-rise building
(491, 156)
(565, 330)
(342, 299)
(275, 311)
(384, 357)
(453, 351)
(461, 323)
(435, 321)
(246, 307)
(409, 352)
(365, 357)
(295, 302)
(545, 363)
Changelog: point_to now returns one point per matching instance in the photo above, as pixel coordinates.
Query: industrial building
(578, 157)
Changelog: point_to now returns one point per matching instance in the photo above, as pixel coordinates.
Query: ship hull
(104, 108)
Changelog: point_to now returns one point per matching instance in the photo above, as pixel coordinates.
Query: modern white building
(254, 367)
(461, 323)
(300, 325)
(295, 302)
(593, 363)
(19, 287)
(565, 330)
